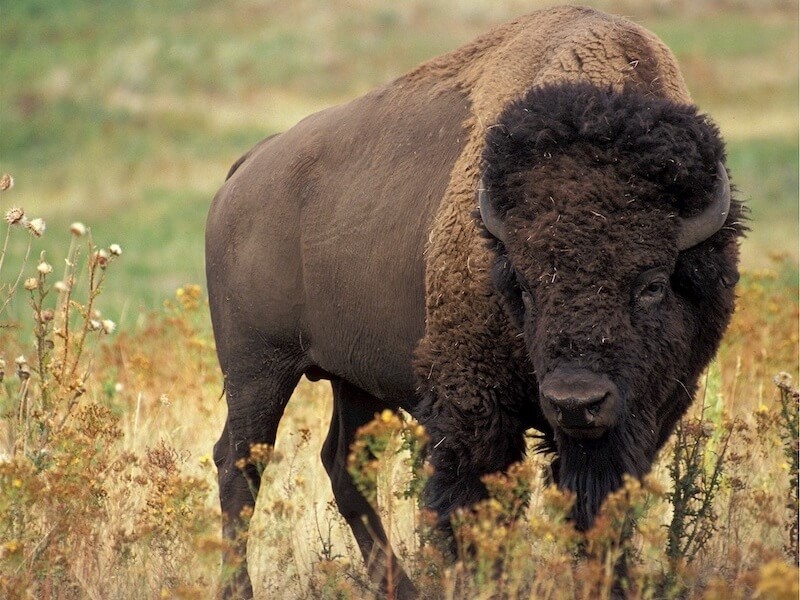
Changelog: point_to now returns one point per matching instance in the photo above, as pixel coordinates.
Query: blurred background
(127, 115)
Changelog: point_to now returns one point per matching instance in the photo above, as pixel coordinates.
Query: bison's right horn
(701, 227)
(491, 220)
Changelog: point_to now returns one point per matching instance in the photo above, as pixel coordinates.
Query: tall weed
(80, 514)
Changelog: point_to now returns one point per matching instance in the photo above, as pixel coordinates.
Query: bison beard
(594, 469)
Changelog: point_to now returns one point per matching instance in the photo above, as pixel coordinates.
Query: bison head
(616, 246)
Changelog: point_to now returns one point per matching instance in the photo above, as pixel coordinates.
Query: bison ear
(491, 220)
(705, 273)
(701, 227)
(729, 279)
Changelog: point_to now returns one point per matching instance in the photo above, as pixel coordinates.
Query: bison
(534, 231)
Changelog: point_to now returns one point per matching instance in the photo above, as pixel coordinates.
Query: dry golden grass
(107, 488)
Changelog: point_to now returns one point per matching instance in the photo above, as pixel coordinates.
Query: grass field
(126, 116)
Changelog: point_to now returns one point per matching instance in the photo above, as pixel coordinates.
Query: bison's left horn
(491, 220)
(701, 227)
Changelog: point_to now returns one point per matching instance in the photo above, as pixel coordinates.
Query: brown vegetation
(107, 488)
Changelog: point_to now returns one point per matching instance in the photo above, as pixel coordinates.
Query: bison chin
(593, 469)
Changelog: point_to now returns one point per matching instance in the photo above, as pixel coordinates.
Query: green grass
(725, 35)
(162, 242)
(767, 177)
(127, 115)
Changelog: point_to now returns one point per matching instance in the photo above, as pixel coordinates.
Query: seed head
(95, 325)
(108, 326)
(101, 258)
(37, 227)
(6, 182)
(46, 315)
(31, 284)
(115, 250)
(45, 268)
(61, 286)
(77, 229)
(14, 215)
(23, 370)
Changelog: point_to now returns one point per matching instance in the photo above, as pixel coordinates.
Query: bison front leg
(463, 448)
(353, 408)
(475, 405)
(256, 400)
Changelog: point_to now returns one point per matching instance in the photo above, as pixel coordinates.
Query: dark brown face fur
(617, 322)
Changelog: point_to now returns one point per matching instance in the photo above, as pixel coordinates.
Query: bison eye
(652, 287)
(655, 289)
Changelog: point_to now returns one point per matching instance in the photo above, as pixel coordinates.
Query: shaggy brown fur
(468, 378)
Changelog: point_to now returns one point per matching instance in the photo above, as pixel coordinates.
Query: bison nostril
(575, 399)
(594, 407)
(580, 402)
(577, 412)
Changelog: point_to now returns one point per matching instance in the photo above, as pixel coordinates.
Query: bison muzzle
(582, 403)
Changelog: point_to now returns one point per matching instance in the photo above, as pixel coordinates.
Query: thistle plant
(86, 509)
(46, 427)
(65, 329)
(696, 484)
(15, 218)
